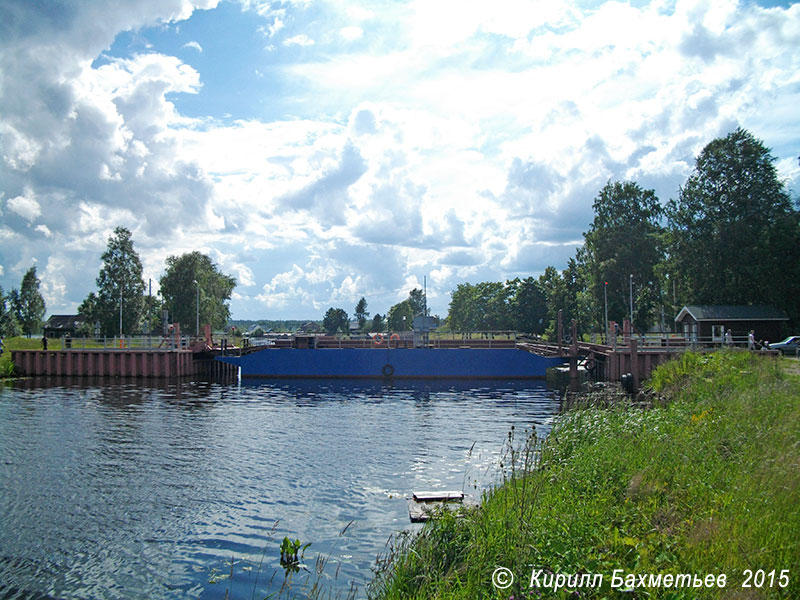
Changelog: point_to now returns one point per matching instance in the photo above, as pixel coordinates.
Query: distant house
(58, 326)
(257, 330)
(710, 322)
(309, 326)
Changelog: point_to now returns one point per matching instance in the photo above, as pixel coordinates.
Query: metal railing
(150, 342)
(678, 341)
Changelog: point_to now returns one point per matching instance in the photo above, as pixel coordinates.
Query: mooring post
(573, 354)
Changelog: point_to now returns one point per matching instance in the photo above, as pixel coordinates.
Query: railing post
(573, 355)
(635, 363)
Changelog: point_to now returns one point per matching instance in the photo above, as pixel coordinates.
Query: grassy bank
(705, 482)
(15, 343)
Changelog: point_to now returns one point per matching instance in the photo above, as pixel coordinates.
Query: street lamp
(605, 300)
(631, 299)
(197, 311)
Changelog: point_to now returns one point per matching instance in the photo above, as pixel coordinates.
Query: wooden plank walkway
(423, 506)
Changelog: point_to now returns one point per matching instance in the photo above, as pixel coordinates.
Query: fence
(120, 343)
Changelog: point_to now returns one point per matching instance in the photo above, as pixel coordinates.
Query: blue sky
(324, 150)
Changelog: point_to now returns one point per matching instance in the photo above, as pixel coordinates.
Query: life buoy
(394, 336)
(387, 370)
(378, 338)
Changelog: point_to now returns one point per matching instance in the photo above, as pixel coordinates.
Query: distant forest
(269, 325)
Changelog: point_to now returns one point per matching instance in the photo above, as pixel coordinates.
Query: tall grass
(15, 343)
(706, 483)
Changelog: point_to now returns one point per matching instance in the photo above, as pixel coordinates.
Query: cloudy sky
(324, 150)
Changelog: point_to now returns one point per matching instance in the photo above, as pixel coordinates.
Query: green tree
(625, 238)
(528, 306)
(400, 316)
(9, 326)
(152, 320)
(486, 306)
(28, 304)
(378, 324)
(191, 275)
(733, 232)
(577, 303)
(555, 293)
(463, 313)
(361, 313)
(416, 299)
(88, 309)
(336, 319)
(494, 301)
(120, 288)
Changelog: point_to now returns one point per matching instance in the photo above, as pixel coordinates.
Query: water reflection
(127, 489)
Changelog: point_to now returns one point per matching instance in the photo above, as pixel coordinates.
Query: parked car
(787, 346)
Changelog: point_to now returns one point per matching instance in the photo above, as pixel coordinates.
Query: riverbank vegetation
(704, 479)
(15, 343)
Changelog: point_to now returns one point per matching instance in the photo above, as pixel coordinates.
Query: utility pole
(605, 301)
(197, 311)
(425, 295)
(631, 299)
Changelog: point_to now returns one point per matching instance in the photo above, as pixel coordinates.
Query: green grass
(705, 482)
(16, 343)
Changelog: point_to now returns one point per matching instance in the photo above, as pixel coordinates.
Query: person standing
(751, 340)
(728, 338)
(44, 342)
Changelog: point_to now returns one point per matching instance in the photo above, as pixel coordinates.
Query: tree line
(732, 236)
(400, 316)
(192, 291)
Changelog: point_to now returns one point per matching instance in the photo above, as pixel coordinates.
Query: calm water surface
(133, 490)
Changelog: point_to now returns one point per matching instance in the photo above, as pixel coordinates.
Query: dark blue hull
(454, 363)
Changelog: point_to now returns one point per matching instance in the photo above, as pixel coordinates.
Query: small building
(58, 326)
(709, 323)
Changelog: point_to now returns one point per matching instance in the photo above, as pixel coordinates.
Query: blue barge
(386, 361)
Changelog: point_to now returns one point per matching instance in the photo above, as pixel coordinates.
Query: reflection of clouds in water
(204, 471)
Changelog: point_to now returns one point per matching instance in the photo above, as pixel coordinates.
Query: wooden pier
(422, 506)
(631, 358)
(106, 362)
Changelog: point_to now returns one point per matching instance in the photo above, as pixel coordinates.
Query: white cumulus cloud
(25, 206)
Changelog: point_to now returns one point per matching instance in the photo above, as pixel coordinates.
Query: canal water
(161, 490)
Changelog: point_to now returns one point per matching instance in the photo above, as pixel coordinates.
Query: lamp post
(197, 311)
(631, 299)
(605, 301)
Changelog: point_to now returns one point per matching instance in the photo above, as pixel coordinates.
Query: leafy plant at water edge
(289, 554)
